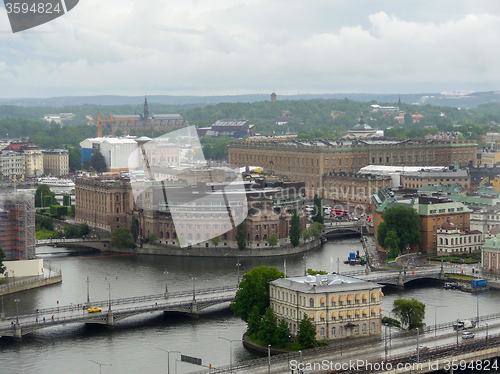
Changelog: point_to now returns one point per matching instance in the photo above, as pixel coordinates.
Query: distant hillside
(453, 100)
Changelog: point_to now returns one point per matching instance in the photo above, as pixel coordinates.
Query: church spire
(146, 108)
(399, 101)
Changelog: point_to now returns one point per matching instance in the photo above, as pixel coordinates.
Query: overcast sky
(226, 47)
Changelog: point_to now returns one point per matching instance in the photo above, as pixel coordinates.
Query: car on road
(94, 310)
(467, 335)
(423, 348)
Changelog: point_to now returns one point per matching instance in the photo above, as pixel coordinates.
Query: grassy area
(44, 234)
(459, 276)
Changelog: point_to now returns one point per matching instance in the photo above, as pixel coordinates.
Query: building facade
(309, 160)
(56, 162)
(337, 305)
(490, 254)
(12, 166)
(433, 212)
(433, 177)
(108, 203)
(105, 203)
(452, 241)
(354, 188)
(33, 158)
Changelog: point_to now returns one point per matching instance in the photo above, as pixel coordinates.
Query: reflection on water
(132, 346)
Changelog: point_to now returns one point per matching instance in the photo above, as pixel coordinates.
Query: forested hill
(459, 100)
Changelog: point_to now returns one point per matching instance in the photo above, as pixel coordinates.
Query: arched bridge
(115, 310)
(338, 229)
(400, 278)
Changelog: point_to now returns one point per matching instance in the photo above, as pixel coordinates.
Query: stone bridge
(340, 229)
(400, 278)
(190, 303)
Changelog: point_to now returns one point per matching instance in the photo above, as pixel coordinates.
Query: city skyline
(236, 47)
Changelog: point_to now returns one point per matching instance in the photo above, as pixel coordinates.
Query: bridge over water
(188, 302)
(399, 278)
(337, 229)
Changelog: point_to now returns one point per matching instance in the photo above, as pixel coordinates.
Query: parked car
(467, 335)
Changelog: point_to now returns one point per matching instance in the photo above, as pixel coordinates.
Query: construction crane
(104, 119)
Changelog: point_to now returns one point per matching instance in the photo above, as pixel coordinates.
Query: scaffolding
(17, 225)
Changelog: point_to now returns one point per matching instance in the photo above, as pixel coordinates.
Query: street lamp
(166, 283)
(435, 316)
(486, 335)
(109, 288)
(88, 291)
(168, 357)
(238, 264)
(194, 288)
(230, 351)
(100, 365)
(269, 359)
(17, 310)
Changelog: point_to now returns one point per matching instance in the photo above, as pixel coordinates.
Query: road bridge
(401, 277)
(337, 229)
(190, 302)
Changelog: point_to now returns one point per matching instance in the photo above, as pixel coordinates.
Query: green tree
(122, 238)
(307, 333)
(318, 214)
(83, 230)
(408, 120)
(272, 239)
(316, 229)
(44, 190)
(268, 327)
(67, 200)
(75, 160)
(410, 313)
(215, 240)
(391, 242)
(134, 231)
(151, 238)
(295, 229)
(253, 291)
(282, 335)
(253, 324)
(2, 257)
(98, 162)
(241, 235)
(306, 235)
(405, 222)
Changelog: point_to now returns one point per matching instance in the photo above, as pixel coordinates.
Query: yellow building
(337, 305)
(490, 158)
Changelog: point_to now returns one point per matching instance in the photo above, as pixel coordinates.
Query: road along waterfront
(131, 346)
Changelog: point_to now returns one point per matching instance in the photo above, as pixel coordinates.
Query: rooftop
(324, 283)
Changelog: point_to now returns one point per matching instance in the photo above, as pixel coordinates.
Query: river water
(133, 345)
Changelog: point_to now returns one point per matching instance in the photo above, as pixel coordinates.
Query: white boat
(56, 182)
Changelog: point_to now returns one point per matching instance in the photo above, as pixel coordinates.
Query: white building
(395, 171)
(12, 166)
(451, 240)
(114, 150)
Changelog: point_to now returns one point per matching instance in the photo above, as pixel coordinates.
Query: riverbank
(199, 251)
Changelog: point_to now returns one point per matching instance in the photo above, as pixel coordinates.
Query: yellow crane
(104, 119)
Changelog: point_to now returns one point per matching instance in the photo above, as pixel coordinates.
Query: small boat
(451, 286)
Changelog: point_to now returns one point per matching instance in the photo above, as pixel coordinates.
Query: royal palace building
(310, 160)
